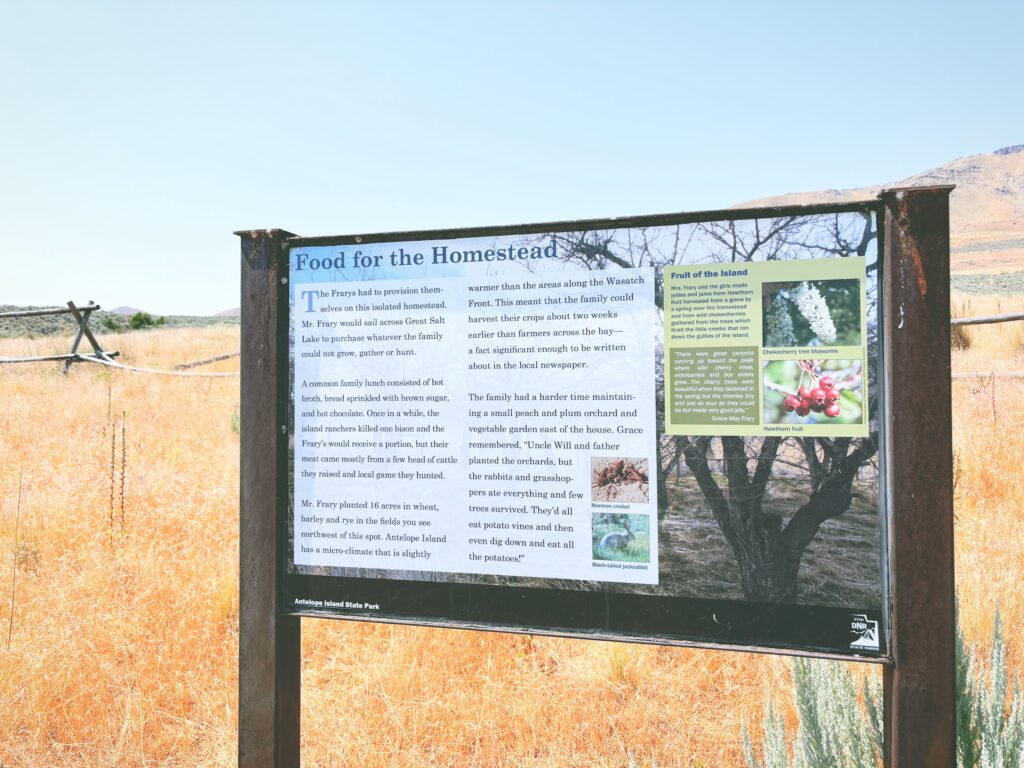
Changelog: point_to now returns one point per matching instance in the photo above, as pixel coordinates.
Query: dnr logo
(866, 631)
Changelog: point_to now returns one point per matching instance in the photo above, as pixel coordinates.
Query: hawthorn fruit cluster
(823, 397)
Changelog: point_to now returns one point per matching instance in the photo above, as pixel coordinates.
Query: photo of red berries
(813, 392)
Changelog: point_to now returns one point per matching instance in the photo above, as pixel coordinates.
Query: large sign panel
(665, 431)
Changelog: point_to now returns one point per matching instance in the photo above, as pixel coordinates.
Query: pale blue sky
(136, 136)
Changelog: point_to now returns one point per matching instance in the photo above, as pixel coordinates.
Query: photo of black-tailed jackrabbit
(618, 540)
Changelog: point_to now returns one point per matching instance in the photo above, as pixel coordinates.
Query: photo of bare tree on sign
(765, 519)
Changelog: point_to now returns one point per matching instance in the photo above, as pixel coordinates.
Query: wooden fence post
(83, 322)
(268, 643)
(920, 688)
(83, 328)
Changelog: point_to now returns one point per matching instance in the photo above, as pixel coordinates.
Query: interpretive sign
(658, 429)
(727, 429)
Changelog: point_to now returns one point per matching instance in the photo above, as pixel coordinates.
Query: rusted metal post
(920, 697)
(268, 643)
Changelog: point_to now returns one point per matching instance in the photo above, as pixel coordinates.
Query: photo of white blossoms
(811, 313)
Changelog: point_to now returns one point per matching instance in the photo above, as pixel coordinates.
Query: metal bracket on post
(920, 688)
(268, 643)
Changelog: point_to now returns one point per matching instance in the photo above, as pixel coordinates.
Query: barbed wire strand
(156, 371)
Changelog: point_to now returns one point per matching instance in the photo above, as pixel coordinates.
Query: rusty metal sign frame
(790, 628)
(915, 431)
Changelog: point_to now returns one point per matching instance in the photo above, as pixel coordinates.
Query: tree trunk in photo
(769, 553)
(670, 453)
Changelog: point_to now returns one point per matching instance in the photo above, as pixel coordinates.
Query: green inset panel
(714, 385)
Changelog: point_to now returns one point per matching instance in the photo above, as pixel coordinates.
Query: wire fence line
(989, 375)
(207, 361)
(134, 368)
(158, 371)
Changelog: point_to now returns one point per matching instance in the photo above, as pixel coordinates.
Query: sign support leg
(269, 666)
(920, 688)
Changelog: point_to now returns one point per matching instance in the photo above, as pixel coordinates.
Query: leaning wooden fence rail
(985, 320)
(81, 314)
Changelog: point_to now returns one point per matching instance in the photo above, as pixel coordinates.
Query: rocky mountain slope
(986, 208)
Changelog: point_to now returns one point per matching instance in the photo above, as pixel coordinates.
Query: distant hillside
(125, 310)
(236, 312)
(100, 322)
(986, 212)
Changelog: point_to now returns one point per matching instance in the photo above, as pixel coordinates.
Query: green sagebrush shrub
(142, 320)
(841, 724)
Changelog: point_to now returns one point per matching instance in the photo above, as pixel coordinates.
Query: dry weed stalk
(14, 561)
(113, 439)
(124, 464)
(961, 336)
(117, 475)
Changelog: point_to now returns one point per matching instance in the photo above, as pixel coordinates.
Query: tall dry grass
(124, 648)
(988, 439)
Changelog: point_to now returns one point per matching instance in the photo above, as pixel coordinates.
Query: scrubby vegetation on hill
(1003, 283)
(101, 321)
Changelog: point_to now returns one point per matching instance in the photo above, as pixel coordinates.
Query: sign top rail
(650, 220)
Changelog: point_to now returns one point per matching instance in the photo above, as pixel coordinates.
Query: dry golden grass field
(122, 649)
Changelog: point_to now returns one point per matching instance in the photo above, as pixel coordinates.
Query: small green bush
(112, 322)
(141, 320)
